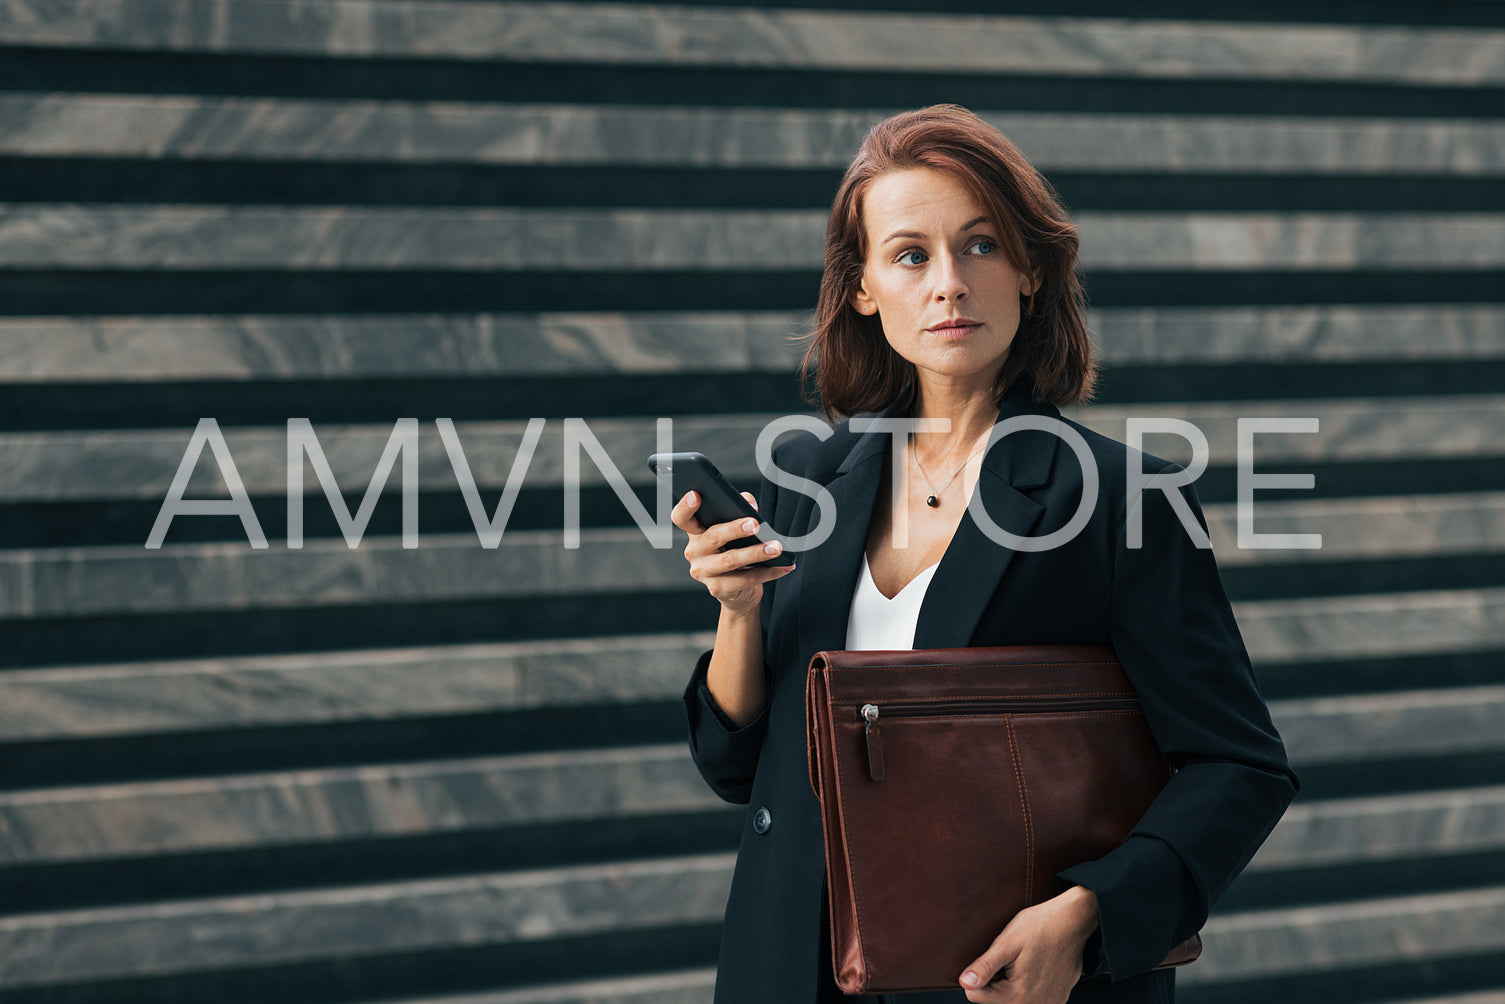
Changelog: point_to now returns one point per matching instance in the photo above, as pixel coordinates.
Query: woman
(949, 294)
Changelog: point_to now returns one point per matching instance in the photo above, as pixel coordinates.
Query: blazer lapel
(825, 600)
(973, 565)
(970, 570)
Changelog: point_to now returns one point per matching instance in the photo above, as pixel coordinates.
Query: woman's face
(933, 257)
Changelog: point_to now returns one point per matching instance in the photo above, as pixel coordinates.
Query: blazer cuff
(1147, 904)
(726, 755)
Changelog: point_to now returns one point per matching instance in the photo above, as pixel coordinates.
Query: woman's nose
(949, 284)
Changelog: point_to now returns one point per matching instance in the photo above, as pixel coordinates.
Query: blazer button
(762, 820)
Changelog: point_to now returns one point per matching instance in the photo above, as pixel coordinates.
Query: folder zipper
(870, 713)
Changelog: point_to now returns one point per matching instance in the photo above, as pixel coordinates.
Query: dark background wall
(456, 773)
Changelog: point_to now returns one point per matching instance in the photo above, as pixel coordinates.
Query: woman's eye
(988, 246)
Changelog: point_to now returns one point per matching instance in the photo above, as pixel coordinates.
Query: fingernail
(772, 547)
(971, 979)
(692, 498)
(749, 525)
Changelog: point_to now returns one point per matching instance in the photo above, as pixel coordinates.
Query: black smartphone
(719, 501)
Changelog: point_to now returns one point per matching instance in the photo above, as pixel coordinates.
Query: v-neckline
(867, 572)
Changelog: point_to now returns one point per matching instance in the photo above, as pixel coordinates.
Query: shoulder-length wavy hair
(855, 370)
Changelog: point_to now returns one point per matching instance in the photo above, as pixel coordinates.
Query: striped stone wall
(455, 773)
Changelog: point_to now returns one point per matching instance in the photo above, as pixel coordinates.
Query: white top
(879, 622)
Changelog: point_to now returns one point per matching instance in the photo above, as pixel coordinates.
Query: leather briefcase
(954, 784)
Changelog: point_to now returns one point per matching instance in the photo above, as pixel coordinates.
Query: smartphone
(719, 501)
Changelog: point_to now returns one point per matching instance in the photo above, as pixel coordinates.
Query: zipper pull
(874, 742)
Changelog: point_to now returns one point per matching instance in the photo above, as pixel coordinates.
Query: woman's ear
(1029, 282)
(862, 302)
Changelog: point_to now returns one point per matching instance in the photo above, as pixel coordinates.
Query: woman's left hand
(1037, 959)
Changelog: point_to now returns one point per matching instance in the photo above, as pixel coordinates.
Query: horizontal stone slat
(97, 580)
(686, 36)
(160, 939)
(1357, 727)
(1482, 997)
(1343, 333)
(1388, 625)
(1394, 526)
(1352, 830)
(180, 937)
(251, 347)
(124, 699)
(225, 576)
(374, 801)
(1352, 429)
(1412, 929)
(192, 127)
(409, 346)
(68, 236)
(690, 986)
(380, 801)
(141, 463)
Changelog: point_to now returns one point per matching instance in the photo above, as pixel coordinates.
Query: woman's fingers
(712, 561)
(734, 582)
(683, 514)
(1000, 954)
(733, 575)
(721, 535)
(741, 557)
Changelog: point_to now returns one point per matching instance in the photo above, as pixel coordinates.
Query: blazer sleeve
(1174, 632)
(727, 756)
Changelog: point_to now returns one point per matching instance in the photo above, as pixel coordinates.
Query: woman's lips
(954, 331)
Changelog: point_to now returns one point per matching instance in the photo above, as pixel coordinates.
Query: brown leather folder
(954, 784)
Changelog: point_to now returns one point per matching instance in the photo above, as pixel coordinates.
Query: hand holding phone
(719, 501)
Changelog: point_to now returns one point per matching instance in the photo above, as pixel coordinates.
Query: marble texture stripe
(194, 935)
(373, 801)
(1342, 333)
(184, 936)
(251, 347)
(403, 132)
(141, 463)
(1377, 626)
(690, 986)
(186, 578)
(628, 34)
(381, 801)
(1409, 724)
(1483, 997)
(1466, 524)
(1350, 429)
(1332, 936)
(106, 700)
(1355, 830)
(344, 346)
(203, 577)
(68, 236)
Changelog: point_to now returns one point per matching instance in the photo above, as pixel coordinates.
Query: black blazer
(1163, 609)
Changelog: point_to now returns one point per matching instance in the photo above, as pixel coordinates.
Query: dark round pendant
(932, 501)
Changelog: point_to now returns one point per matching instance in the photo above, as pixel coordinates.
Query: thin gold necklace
(933, 500)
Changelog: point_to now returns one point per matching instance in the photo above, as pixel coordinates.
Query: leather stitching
(847, 666)
(846, 854)
(1050, 694)
(1029, 828)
